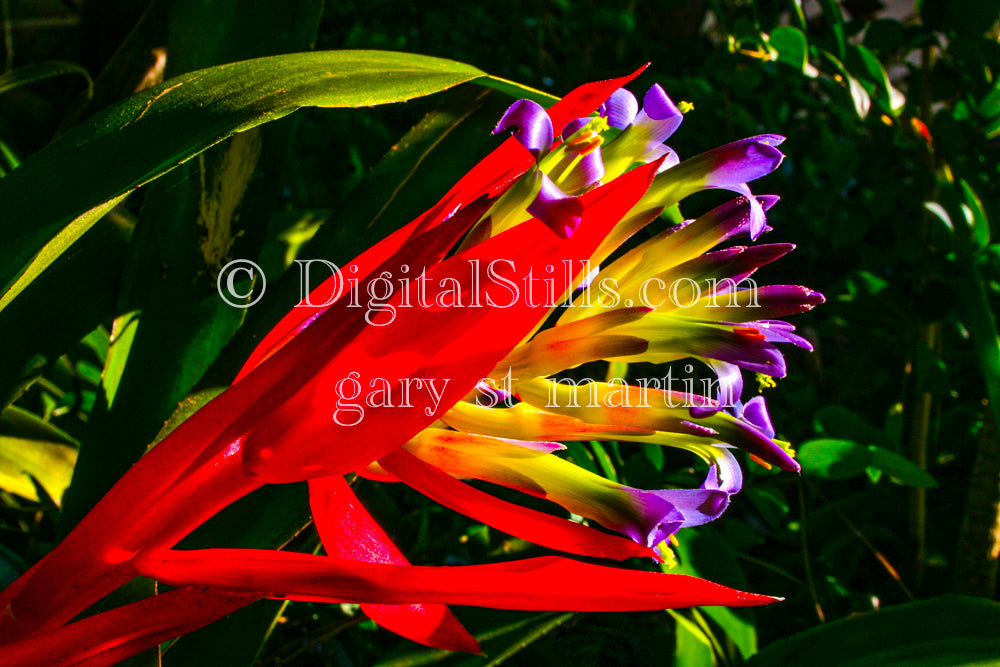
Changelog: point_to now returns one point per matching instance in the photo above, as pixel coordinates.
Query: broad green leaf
(153, 131)
(40, 71)
(792, 48)
(843, 459)
(51, 463)
(869, 65)
(944, 631)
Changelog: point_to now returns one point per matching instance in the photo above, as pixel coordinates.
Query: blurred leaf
(604, 461)
(582, 457)
(770, 502)
(990, 105)
(943, 631)
(859, 96)
(940, 214)
(866, 63)
(153, 131)
(843, 459)
(40, 71)
(655, 455)
(862, 102)
(792, 48)
(838, 422)
(975, 215)
(835, 20)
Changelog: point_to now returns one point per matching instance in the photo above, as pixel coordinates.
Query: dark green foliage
(890, 190)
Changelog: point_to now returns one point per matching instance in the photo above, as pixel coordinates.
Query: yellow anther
(765, 381)
(684, 107)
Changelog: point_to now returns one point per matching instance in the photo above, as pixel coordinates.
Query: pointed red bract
(453, 346)
(349, 532)
(549, 583)
(108, 638)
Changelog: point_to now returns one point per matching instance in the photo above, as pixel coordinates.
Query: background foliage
(890, 187)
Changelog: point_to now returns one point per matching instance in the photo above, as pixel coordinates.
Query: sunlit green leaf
(155, 130)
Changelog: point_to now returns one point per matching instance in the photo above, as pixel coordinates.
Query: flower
(429, 357)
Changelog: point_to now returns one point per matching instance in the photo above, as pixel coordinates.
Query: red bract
(273, 425)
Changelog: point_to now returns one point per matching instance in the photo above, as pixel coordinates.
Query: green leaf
(838, 422)
(518, 90)
(704, 553)
(862, 102)
(975, 215)
(582, 456)
(792, 48)
(153, 131)
(604, 461)
(50, 463)
(843, 459)
(948, 630)
(867, 64)
(51, 310)
(990, 106)
(20, 422)
(859, 96)
(692, 645)
(40, 71)
(214, 207)
(835, 19)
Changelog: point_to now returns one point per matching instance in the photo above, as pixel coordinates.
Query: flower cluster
(568, 189)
